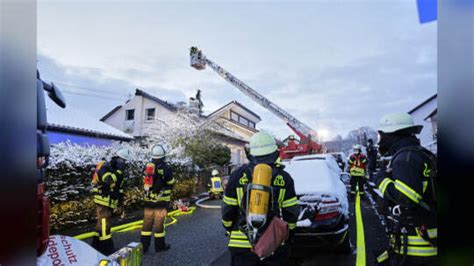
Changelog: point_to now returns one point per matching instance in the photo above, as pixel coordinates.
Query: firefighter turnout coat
(407, 184)
(108, 185)
(357, 164)
(215, 184)
(159, 179)
(234, 202)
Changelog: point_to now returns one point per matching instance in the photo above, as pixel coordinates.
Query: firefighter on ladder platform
(407, 185)
(107, 188)
(158, 182)
(263, 150)
(357, 164)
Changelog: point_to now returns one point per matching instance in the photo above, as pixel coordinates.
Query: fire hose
(360, 259)
(199, 204)
(138, 224)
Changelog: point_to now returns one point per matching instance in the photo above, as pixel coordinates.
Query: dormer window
(130, 114)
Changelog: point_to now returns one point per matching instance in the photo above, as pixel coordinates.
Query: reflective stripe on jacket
(216, 184)
(107, 188)
(357, 164)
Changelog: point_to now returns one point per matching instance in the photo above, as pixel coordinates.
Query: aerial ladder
(289, 147)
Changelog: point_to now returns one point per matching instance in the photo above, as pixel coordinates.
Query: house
(426, 114)
(242, 122)
(71, 124)
(233, 122)
(136, 114)
(433, 119)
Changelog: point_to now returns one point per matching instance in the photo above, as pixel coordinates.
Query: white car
(324, 209)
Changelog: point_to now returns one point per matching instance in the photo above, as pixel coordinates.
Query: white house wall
(161, 113)
(426, 135)
(140, 104)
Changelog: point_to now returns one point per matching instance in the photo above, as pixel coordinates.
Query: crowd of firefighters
(260, 207)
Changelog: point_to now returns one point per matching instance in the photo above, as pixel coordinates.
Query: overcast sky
(335, 65)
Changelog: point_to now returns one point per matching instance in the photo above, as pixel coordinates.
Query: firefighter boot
(106, 247)
(146, 242)
(160, 244)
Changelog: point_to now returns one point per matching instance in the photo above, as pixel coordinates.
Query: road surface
(199, 239)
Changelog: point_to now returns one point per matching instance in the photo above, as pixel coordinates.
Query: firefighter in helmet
(215, 185)
(107, 184)
(158, 182)
(292, 145)
(357, 164)
(372, 156)
(408, 188)
(263, 150)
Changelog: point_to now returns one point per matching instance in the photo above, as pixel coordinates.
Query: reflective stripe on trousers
(103, 222)
(239, 240)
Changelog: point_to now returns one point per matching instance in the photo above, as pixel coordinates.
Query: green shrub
(183, 188)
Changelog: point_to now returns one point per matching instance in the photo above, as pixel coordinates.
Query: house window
(150, 114)
(234, 116)
(130, 114)
(243, 121)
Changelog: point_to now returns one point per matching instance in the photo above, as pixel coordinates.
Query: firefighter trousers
(103, 239)
(154, 221)
(357, 184)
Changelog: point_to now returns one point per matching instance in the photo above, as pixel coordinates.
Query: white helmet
(214, 172)
(157, 151)
(357, 147)
(397, 121)
(124, 153)
(262, 143)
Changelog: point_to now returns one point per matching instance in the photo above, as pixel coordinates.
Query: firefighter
(292, 145)
(263, 149)
(108, 180)
(215, 184)
(408, 188)
(357, 164)
(158, 182)
(372, 157)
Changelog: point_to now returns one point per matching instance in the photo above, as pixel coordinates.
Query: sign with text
(65, 250)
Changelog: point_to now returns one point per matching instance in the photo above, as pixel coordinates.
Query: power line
(90, 89)
(101, 97)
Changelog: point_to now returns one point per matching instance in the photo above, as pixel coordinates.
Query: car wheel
(345, 246)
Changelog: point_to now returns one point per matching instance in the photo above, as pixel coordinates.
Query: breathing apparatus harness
(259, 206)
(153, 181)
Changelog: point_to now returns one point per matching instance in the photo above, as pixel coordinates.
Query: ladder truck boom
(199, 61)
(306, 134)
